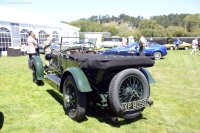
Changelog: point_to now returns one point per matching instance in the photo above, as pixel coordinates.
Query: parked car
(152, 49)
(110, 44)
(183, 45)
(117, 83)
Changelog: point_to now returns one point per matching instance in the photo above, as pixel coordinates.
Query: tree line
(172, 25)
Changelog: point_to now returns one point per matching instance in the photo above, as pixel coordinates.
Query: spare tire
(126, 87)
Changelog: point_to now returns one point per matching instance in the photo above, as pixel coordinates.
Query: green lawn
(26, 107)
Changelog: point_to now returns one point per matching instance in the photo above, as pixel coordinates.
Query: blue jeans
(29, 60)
(141, 51)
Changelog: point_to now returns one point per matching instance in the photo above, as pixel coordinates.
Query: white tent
(24, 17)
(15, 24)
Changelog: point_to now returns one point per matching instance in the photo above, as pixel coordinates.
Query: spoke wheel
(74, 101)
(127, 86)
(131, 89)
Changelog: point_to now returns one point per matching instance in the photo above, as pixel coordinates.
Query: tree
(112, 29)
(192, 22)
(176, 31)
(157, 26)
(149, 24)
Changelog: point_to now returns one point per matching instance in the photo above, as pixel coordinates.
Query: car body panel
(80, 79)
(40, 71)
(148, 75)
(132, 49)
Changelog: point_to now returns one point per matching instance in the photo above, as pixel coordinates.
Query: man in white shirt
(194, 46)
(142, 44)
(32, 45)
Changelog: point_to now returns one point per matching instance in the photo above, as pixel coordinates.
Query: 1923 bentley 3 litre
(120, 83)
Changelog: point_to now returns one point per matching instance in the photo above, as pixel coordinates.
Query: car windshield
(76, 43)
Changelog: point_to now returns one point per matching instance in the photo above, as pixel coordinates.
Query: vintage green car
(114, 82)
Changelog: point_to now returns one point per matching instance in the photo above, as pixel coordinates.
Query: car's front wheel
(74, 101)
(157, 55)
(128, 93)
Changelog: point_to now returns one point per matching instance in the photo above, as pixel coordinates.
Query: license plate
(134, 105)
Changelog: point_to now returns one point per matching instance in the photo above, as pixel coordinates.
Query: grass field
(28, 108)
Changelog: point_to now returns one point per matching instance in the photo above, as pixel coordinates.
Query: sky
(72, 10)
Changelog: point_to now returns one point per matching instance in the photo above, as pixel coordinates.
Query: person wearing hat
(47, 47)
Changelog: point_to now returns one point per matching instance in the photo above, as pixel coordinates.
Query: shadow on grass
(161, 58)
(109, 117)
(40, 83)
(1, 120)
(59, 99)
(102, 115)
(56, 96)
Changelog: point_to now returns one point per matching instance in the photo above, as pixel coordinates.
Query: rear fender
(36, 60)
(79, 77)
(147, 74)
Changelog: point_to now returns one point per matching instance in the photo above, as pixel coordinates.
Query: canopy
(13, 15)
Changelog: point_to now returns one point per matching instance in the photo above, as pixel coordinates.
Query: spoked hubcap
(131, 89)
(157, 55)
(70, 98)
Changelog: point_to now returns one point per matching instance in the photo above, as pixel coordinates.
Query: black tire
(74, 101)
(157, 55)
(129, 83)
(35, 80)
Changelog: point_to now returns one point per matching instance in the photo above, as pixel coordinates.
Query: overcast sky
(70, 10)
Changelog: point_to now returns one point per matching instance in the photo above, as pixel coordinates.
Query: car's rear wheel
(157, 55)
(171, 48)
(126, 87)
(74, 101)
(186, 48)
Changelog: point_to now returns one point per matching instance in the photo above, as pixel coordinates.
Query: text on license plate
(134, 105)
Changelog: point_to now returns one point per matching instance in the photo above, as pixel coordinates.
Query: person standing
(142, 44)
(194, 46)
(47, 47)
(37, 48)
(178, 42)
(124, 42)
(32, 45)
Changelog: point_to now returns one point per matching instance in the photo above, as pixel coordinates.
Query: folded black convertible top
(108, 62)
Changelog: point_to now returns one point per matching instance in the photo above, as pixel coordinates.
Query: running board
(53, 80)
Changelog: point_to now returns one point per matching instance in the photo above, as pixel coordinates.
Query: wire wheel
(131, 89)
(74, 101)
(128, 86)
